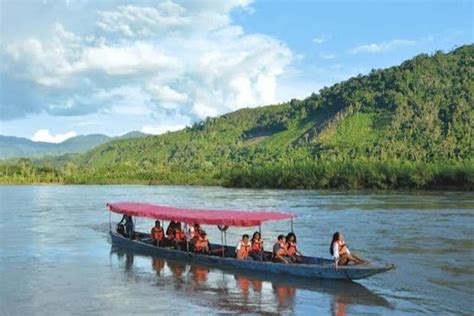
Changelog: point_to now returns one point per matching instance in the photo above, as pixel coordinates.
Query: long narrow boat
(222, 256)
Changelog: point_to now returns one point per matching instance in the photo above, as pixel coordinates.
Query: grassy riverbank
(299, 175)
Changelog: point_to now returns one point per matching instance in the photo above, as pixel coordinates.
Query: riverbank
(379, 175)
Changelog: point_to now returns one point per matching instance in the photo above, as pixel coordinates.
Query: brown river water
(55, 257)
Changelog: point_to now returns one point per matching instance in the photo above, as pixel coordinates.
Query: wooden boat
(222, 256)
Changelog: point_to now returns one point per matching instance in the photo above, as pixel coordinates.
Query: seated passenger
(341, 253)
(291, 249)
(243, 248)
(193, 232)
(170, 230)
(196, 230)
(121, 229)
(279, 250)
(179, 238)
(157, 234)
(256, 250)
(202, 243)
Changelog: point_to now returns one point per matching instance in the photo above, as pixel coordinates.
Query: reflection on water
(249, 292)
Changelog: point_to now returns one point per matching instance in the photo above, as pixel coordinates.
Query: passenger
(243, 248)
(128, 225)
(170, 230)
(256, 250)
(157, 234)
(202, 243)
(179, 238)
(196, 230)
(341, 253)
(291, 249)
(193, 235)
(279, 250)
(121, 229)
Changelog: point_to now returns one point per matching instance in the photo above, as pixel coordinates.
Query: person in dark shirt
(128, 225)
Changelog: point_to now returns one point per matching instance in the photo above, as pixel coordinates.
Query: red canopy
(192, 216)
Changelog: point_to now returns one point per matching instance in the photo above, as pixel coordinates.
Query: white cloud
(382, 47)
(160, 129)
(164, 124)
(321, 39)
(43, 135)
(132, 20)
(166, 94)
(203, 110)
(173, 57)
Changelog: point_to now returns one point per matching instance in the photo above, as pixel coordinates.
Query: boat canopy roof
(192, 216)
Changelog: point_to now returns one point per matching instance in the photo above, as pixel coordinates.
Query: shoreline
(367, 189)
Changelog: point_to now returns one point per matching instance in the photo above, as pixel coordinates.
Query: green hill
(11, 147)
(409, 126)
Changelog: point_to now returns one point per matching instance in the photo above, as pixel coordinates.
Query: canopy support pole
(292, 224)
(260, 232)
(110, 221)
(222, 243)
(186, 230)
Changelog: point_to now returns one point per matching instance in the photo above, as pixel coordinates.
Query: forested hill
(402, 127)
(11, 146)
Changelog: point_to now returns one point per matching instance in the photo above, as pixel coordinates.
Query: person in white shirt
(242, 249)
(340, 252)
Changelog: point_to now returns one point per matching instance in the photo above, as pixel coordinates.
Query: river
(55, 257)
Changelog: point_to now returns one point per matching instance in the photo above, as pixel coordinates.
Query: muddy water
(55, 257)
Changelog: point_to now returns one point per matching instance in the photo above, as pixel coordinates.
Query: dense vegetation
(409, 126)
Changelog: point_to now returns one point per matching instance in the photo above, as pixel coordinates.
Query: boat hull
(317, 268)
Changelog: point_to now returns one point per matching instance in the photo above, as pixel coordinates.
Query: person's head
(157, 224)
(281, 238)
(178, 225)
(197, 226)
(203, 234)
(335, 237)
(245, 237)
(291, 237)
(256, 236)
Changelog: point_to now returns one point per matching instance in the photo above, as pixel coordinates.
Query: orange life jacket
(291, 248)
(201, 244)
(157, 233)
(243, 252)
(179, 235)
(282, 250)
(257, 246)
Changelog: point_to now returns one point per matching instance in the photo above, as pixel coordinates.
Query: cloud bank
(43, 135)
(167, 59)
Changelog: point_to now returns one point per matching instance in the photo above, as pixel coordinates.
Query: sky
(76, 67)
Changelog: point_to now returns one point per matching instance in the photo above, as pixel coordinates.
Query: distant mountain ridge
(14, 147)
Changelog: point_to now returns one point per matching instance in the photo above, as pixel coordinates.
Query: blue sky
(80, 67)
